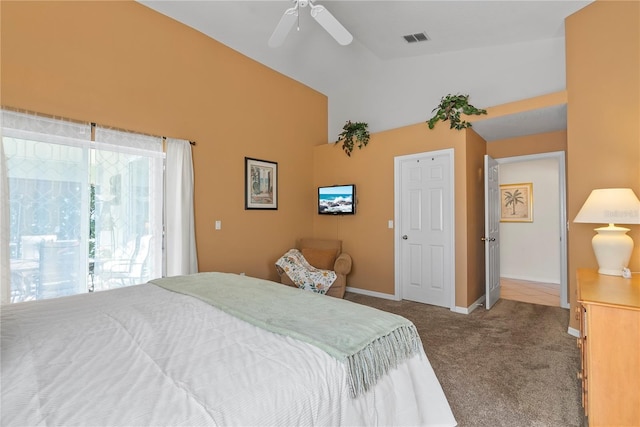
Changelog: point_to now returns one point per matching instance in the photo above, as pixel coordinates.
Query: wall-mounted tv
(337, 200)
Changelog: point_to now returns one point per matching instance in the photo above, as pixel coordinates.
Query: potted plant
(450, 108)
(353, 133)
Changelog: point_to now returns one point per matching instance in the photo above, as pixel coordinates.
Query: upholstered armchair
(325, 254)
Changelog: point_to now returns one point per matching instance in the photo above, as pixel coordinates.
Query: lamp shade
(611, 245)
(609, 206)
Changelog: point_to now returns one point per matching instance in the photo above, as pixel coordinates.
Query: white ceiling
(312, 57)
(542, 120)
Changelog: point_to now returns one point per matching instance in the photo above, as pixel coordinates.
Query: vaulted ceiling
(497, 51)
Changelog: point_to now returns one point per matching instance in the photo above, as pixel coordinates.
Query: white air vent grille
(415, 38)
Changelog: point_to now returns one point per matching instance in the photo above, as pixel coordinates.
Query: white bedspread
(146, 356)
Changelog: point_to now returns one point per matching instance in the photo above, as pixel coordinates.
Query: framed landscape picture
(261, 184)
(516, 202)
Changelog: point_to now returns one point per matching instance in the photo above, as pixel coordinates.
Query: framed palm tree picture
(516, 202)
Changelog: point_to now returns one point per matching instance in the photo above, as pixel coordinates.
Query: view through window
(84, 215)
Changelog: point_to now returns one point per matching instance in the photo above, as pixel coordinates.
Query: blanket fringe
(375, 360)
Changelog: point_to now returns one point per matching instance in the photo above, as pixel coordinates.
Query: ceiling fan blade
(331, 24)
(283, 27)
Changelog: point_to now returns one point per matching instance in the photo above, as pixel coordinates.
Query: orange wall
(121, 64)
(603, 128)
(529, 104)
(366, 235)
(476, 149)
(531, 144)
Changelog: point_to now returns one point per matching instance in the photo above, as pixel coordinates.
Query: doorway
(544, 240)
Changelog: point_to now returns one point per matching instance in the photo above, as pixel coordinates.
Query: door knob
(490, 239)
(405, 237)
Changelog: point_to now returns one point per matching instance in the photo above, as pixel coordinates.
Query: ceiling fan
(319, 13)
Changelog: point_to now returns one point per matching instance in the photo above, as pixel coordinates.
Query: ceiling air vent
(417, 37)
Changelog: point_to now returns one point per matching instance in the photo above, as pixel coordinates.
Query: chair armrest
(342, 264)
(116, 266)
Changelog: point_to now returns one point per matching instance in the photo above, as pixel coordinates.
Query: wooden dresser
(609, 313)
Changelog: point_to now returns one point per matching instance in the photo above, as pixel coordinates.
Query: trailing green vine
(353, 133)
(451, 108)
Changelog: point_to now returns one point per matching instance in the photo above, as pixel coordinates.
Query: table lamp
(611, 244)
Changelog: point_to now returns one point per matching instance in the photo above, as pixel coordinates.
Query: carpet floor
(514, 365)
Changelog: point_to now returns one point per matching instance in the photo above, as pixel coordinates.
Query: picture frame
(260, 184)
(516, 202)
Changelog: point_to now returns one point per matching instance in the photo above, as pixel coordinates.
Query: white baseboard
(573, 332)
(371, 293)
(466, 310)
(554, 281)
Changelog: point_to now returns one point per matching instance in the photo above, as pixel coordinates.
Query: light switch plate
(218, 225)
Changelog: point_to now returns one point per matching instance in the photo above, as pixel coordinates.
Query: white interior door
(491, 231)
(425, 230)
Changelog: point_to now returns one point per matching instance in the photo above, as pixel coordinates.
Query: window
(85, 213)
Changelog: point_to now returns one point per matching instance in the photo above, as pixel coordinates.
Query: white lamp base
(613, 249)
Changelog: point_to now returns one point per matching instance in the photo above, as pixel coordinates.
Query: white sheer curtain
(180, 244)
(100, 203)
(47, 162)
(127, 181)
(5, 276)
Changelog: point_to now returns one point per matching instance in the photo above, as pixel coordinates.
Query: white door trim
(397, 227)
(560, 156)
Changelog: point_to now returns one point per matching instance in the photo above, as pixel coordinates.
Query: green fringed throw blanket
(368, 341)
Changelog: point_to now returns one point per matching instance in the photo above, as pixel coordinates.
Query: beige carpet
(514, 365)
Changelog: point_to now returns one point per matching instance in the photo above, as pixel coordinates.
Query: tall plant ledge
(353, 133)
(451, 108)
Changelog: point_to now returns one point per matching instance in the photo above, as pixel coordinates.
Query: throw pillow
(320, 258)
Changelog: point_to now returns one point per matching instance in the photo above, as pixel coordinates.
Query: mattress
(143, 355)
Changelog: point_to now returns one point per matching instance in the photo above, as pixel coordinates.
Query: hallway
(531, 292)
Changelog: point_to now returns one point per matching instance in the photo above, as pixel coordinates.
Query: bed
(153, 354)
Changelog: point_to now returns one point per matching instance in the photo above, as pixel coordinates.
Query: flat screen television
(337, 200)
